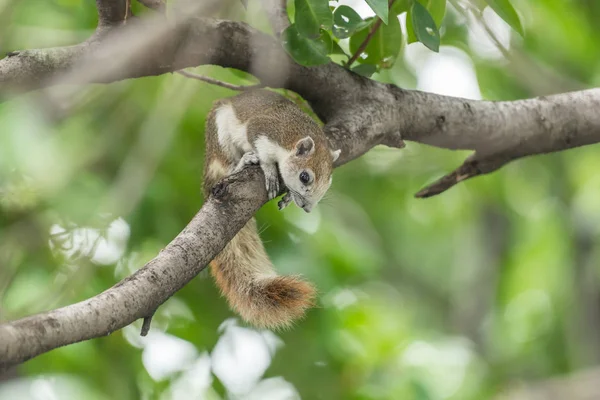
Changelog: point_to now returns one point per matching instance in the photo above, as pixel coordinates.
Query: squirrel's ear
(305, 146)
(335, 154)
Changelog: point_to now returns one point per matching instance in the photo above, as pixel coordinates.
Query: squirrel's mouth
(301, 202)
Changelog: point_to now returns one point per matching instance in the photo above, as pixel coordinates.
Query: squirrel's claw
(271, 179)
(285, 201)
(272, 184)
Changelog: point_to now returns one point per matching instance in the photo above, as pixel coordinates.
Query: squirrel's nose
(306, 208)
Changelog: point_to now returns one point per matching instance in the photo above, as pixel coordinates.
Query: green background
(460, 296)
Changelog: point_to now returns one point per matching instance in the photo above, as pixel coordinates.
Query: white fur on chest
(231, 132)
(269, 151)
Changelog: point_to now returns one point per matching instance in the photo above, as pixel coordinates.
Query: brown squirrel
(263, 127)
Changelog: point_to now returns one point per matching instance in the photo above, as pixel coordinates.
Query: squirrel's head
(307, 171)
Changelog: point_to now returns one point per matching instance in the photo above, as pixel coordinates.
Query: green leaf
(424, 27)
(506, 11)
(401, 6)
(365, 69)
(311, 16)
(304, 51)
(380, 7)
(346, 21)
(436, 8)
(332, 46)
(384, 46)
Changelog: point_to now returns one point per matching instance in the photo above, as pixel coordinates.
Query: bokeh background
(488, 291)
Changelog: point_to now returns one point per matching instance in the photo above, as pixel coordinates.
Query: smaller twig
(473, 166)
(217, 82)
(365, 42)
(464, 172)
(146, 324)
(445, 183)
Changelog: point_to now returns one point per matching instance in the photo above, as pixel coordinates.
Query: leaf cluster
(321, 33)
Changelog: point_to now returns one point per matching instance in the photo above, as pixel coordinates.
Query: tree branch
(144, 48)
(500, 132)
(365, 42)
(351, 105)
(217, 82)
(233, 202)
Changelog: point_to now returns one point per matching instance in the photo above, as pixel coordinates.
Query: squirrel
(265, 128)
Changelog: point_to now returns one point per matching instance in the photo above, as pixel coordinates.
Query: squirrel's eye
(304, 177)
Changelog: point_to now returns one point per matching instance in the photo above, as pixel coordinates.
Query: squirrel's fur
(266, 126)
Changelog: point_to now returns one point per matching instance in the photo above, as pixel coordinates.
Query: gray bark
(232, 203)
(359, 113)
(352, 106)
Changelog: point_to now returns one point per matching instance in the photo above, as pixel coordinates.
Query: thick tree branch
(233, 203)
(500, 132)
(347, 100)
(351, 105)
(359, 113)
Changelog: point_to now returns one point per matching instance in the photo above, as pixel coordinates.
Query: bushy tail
(247, 279)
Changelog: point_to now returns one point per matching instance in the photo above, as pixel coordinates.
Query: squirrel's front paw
(271, 179)
(249, 158)
(272, 183)
(285, 201)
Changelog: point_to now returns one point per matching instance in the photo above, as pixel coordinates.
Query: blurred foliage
(460, 296)
(374, 44)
